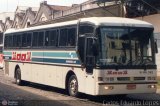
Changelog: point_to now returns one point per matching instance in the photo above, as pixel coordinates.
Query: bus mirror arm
(91, 54)
(156, 47)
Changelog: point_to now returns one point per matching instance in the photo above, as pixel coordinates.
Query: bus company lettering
(117, 72)
(21, 56)
(71, 61)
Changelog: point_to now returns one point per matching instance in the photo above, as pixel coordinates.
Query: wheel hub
(73, 86)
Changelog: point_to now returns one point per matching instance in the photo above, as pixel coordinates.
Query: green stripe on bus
(60, 61)
(7, 53)
(55, 54)
(37, 53)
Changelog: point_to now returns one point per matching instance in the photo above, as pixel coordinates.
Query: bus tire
(73, 86)
(18, 77)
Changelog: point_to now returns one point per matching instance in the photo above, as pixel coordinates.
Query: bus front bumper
(113, 89)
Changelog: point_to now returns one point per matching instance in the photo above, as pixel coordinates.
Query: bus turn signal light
(152, 86)
(108, 87)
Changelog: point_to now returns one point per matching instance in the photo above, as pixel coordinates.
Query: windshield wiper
(141, 61)
(147, 61)
(135, 62)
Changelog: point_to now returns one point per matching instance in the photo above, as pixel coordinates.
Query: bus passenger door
(87, 53)
(89, 83)
(89, 63)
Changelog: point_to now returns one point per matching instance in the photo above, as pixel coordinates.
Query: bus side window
(1, 38)
(6, 41)
(40, 39)
(53, 37)
(35, 39)
(29, 37)
(71, 37)
(46, 38)
(14, 40)
(24, 39)
(63, 37)
(19, 40)
(10, 41)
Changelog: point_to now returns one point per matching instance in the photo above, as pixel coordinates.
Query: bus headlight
(151, 86)
(108, 87)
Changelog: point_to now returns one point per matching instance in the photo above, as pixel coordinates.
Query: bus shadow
(132, 99)
(45, 88)
(105, 100)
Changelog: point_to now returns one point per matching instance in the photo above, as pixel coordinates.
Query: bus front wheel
(18, 77)
(73, 86)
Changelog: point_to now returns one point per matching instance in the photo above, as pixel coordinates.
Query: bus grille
(123, 78)
(130, 78)
(139, 78)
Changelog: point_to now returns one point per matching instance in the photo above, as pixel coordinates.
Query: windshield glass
(125, 46)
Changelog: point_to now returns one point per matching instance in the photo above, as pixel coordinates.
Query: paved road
(34, 94)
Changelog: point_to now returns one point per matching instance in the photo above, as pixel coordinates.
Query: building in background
(46, 13)
(5, 19)
(23, 16)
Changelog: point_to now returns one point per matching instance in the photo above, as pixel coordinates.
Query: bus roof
(98, 21)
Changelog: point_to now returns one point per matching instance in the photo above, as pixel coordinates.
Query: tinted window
(63, 37)
(47, 38)
(29, 37)
(1, 38)
(24, 39)
(14, 40)
(6, 41)
(67, 37)
(86, 29)
(10, 41)
(40, 38)
(71, 37)
(35, 39)
(53, 38)
(19, 40)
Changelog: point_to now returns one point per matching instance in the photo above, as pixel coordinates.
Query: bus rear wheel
(73, 86)
(18, 77)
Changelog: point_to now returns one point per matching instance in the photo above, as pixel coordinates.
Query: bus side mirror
(156, 47)
(91, 53)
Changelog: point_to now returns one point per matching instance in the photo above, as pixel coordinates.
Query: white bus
(95, 56)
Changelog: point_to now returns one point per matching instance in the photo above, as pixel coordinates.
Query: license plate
(131, 86)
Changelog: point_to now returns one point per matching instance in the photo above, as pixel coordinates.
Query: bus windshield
(126, 46)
